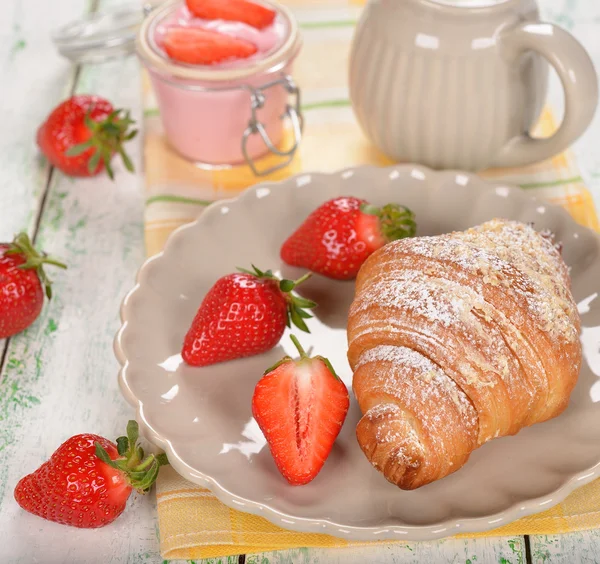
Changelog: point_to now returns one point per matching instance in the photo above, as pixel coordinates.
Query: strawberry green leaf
(297, 320)
(140, 472)
(126, 160)
(370, 209)
(34, 260)
(144, 484)
(108, 137)
(103, 455)
(122, 445)
(329, 366)
(76, 150)
(303, 314)
(278, 364)
(304, 303)
(145, 464)
(93, 162)
(133, 432)
(397, 222)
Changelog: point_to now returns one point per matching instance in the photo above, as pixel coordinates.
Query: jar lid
(160, 63)
(99, 36)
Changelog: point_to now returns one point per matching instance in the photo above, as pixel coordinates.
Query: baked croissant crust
(458, 339)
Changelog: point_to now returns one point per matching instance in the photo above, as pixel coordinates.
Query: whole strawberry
(81, 135)
(243, 314)
(87, 481)
(23, 283)
(300, 406)
(337, 238)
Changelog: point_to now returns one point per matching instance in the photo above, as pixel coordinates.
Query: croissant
(458, 339)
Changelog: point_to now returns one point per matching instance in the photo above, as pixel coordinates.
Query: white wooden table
(59, 377)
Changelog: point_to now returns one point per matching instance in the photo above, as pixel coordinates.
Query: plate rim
(437, 531)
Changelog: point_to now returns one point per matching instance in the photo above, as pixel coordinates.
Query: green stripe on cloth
(151, 112)
(325, 104)
(550, 184)
(177, 200)
(326, 24)
(170, 198)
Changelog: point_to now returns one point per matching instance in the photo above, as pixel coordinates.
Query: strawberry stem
(395, 221)
(140, 472)
(302, 279)
(296, 304)
(107, 138)
(34, 260)
(297, 344)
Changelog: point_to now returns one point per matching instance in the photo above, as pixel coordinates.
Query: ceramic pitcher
(460, 83)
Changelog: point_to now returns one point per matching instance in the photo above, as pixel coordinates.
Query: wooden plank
(29, 66)
(33, 77)
(60, 375)
(467, 551)
(580, 547)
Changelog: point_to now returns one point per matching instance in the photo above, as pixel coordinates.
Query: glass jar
(230, 113)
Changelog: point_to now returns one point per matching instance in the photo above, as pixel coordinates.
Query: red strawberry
(300, 406)
(22, 284)
(81, 135)
(87, 481)
(243, 314)
(338, 236)
(196, 46)
(232, 10)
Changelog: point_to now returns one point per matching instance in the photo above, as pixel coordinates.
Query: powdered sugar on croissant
(458, 339)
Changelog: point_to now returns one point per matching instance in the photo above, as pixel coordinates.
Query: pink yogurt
(206, 109)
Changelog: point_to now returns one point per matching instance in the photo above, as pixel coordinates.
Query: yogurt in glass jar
(232, 112)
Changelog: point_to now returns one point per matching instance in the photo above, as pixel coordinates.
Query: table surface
(59, 377)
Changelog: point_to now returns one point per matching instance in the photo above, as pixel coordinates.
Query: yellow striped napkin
(192, 522)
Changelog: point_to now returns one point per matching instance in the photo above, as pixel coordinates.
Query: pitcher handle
(579, 79)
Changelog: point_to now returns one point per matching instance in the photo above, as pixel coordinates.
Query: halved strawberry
(232, 10)
(197, 46)
(300, 406)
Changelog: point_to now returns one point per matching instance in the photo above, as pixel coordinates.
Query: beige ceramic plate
(201, 416)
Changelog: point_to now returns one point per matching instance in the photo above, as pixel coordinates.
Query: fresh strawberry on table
(244, 314)
(300, 406)
(23, 283)
(82, 134)
(87, 481)
(337, 238)
(196, 46)
(251, 13)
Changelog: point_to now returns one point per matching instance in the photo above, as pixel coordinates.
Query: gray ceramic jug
(460, 84)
